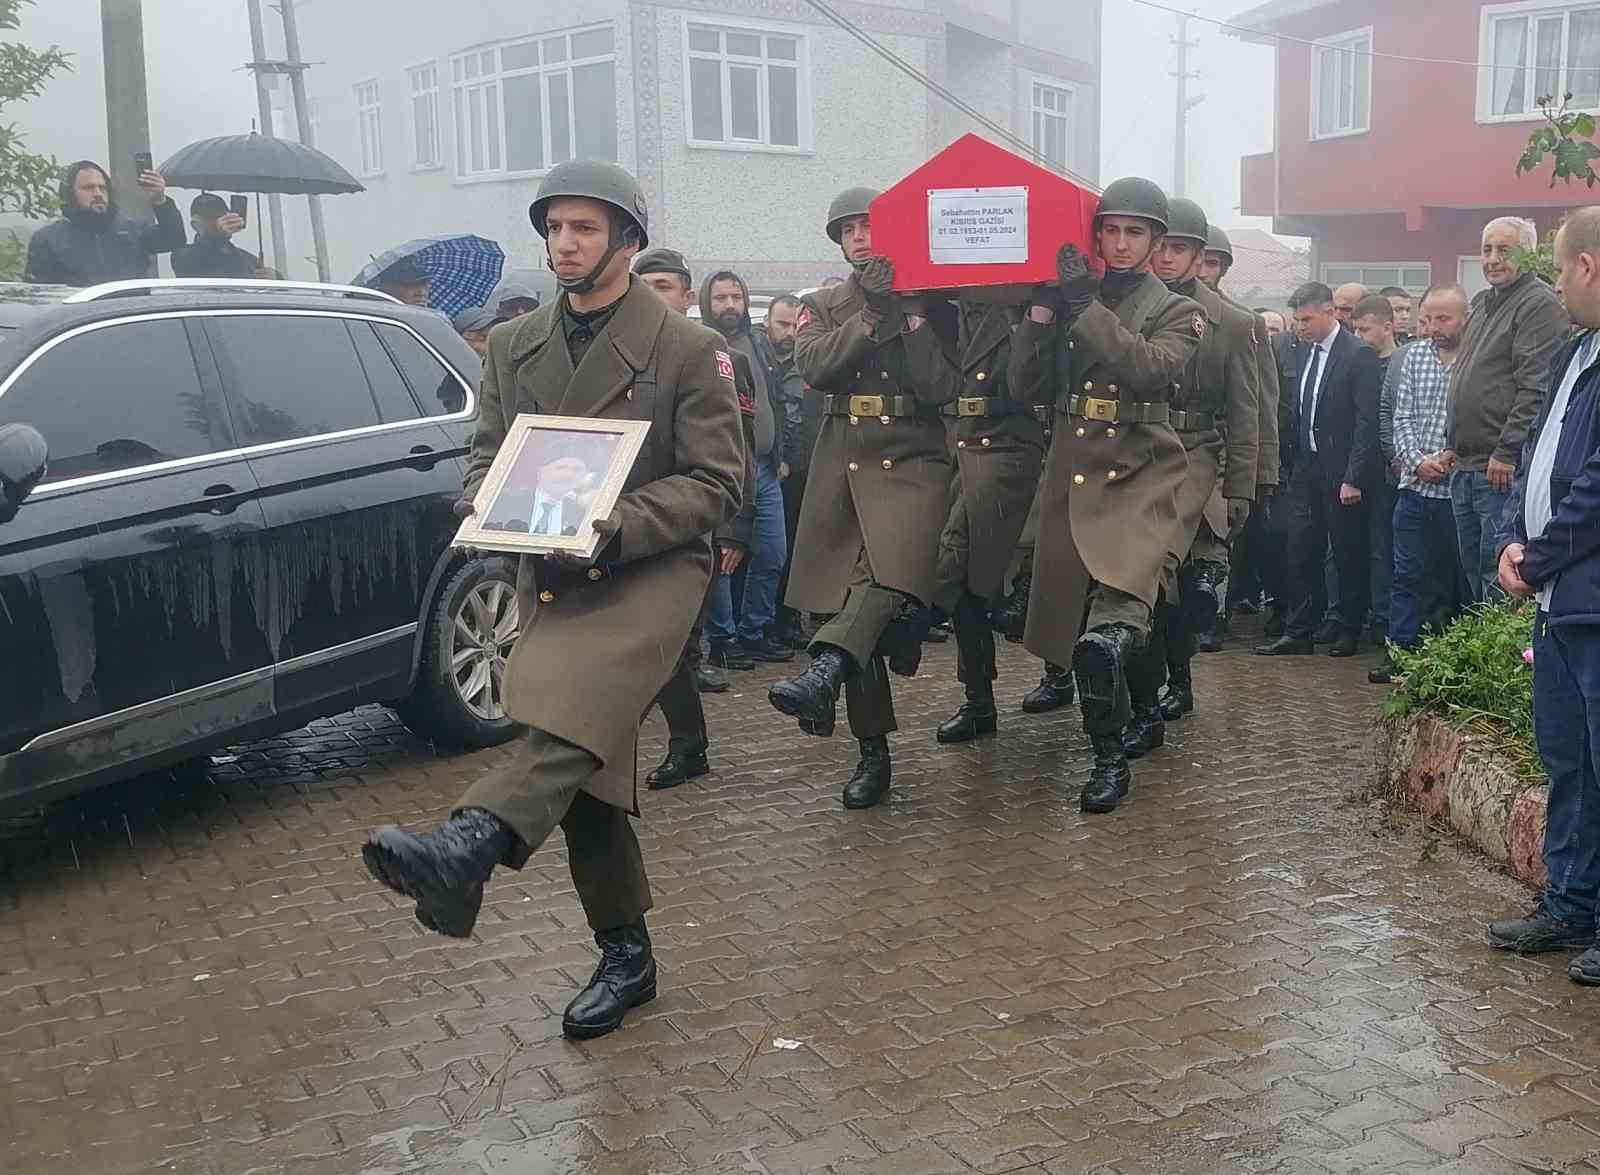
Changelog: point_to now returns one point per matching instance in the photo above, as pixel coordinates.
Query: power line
(959, 103)
(1279, 37)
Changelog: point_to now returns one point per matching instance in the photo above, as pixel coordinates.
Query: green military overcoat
(594, 652)
(1221, 379)
(1108, 506)
(998, 455)
(878, 483)
(1266, 395)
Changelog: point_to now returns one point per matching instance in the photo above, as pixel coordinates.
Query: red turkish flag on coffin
(977, 215)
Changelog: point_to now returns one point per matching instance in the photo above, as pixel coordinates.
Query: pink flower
(1527, 656)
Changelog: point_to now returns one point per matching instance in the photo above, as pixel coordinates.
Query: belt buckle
(1095, 408)
(866, 405)
(970, 406)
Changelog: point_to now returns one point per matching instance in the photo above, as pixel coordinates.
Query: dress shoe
(976, 717)
(1346, 645)
(1177, 696)
(1327, 632)
(1538, 933)
(767, 651)
(1211, 639)
(870, 783)
(1108, 778)
(1145, 733)
(729, 655)
(813, 695)
(1385, 674)
(684, 761)
(708, 679)
(1287, 646)
(1275, 624)
(625, 978)
(1053, 691)
(443, 870)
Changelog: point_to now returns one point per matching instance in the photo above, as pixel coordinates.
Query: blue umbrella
(462, 270)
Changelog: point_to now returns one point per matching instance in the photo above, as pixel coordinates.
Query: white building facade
(742, 118)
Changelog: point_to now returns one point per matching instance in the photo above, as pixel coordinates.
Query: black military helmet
(848, 203)
(1186, 220)
(661, 261)
(593, 179)
(1133, 196)
(1217, 242)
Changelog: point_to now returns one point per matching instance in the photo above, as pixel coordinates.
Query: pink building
(1392, 166)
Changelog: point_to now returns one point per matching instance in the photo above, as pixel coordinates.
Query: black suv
(244, 524)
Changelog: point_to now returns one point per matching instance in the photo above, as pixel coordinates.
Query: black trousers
(1316, 522)
(1260, 560)
(679, 699)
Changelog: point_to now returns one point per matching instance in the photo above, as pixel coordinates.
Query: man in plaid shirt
(1424, 521)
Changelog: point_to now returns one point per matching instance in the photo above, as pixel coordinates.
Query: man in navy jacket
(1552, 553)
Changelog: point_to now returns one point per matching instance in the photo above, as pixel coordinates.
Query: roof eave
(1256, 24)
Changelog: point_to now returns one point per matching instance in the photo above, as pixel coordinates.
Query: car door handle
(227, 503)
(423, 457)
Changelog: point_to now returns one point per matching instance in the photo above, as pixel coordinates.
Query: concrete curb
(1442, 774)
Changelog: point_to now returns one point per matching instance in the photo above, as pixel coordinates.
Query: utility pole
(1180, 137)
(302, 113)
(258, 66)
(127, 112)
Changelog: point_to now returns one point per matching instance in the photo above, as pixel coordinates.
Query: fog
(195, 51)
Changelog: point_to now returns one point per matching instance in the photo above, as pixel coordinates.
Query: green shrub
(1473, 674)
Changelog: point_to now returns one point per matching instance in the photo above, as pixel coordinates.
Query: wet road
(1243, 970)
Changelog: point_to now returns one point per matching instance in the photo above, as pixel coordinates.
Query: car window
(291, 376)
(436, 387)
(389, 388)
(116, 397)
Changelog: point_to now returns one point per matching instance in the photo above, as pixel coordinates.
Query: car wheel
(459, 700)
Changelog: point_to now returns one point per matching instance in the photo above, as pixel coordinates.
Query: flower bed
(1462, 748)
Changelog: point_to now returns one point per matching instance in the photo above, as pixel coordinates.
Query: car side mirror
(24, 457)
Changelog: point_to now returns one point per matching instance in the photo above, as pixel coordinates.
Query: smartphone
(240, 207)
(143, 161)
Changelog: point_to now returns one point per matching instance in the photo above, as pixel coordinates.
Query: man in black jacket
(1333, 424)
(213, 253)
(93, 242)
(802, 412)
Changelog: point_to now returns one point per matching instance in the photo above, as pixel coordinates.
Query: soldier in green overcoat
(1112, 347)
(600, 636)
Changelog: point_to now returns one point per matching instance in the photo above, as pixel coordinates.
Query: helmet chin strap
(620, 239)
(858, 266)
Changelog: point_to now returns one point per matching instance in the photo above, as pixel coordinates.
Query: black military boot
(870, 783)
(686, 760)
(813, 695)
(443, 870)
(1147, 730)
(1010, 620)
(1108, 778)
(1053, 691)
(975, 659)
(1177, 699)
(1100, 662)
(901, 642)
(625, 978)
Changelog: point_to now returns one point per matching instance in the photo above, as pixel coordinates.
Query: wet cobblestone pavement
(1241, 971)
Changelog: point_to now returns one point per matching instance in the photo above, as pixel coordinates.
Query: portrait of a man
(551, 487)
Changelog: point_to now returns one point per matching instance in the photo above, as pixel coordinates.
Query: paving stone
(1238, 971)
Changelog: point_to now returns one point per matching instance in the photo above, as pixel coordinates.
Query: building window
(369, 117)
(1415, 276)
(527, 105)
(1341, 84)
(747, 87)
(1537, 50)
(1052, 122)
(424, 80)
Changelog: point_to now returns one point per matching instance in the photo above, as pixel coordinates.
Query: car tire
(459, 700)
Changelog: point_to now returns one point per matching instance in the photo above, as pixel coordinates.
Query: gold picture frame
(553, 477)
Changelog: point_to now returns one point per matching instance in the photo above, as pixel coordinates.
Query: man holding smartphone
(93, 242)
(213, 253)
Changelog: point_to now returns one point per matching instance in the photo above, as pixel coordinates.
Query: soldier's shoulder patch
(1197, 323)
(725, 365)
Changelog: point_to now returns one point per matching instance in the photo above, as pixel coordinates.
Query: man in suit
(1334, 425)
(555, 504)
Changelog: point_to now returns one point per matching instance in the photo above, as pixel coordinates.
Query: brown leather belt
(879, 406)
(1116, 411)
(982, 406)
(1193, 421)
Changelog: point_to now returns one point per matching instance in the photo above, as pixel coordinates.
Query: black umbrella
(255, 163)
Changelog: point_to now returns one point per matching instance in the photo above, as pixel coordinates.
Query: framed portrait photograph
(553, 476)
